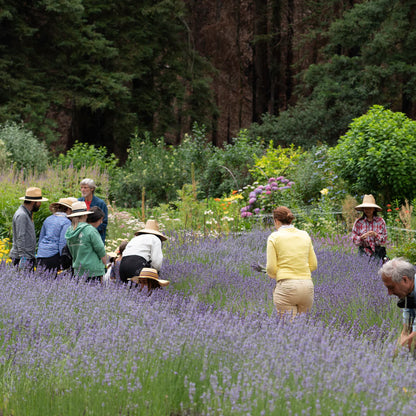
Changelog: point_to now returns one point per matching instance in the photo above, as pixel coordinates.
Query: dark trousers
(30, 263)
(50, 263)
(131, 266)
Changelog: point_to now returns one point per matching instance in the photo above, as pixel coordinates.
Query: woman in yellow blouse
(290, 261)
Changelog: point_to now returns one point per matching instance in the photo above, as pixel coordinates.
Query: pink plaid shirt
(362, 225)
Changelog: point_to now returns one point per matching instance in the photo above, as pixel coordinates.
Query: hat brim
(138, 279)
(147, 231)
(79, 214)
(29, 199)
(362, 206)
(57, 204)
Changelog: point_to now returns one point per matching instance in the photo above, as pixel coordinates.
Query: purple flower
(252, 201)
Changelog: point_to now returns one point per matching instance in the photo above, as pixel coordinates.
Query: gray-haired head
(89, 182)
(397, 268)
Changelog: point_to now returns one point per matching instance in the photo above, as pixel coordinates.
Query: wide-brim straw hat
(79, 208)
(151, 227)
(33, 195)
(368, 202)
(66, 202)
(148, 273)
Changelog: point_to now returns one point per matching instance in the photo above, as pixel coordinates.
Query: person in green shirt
(85, 244)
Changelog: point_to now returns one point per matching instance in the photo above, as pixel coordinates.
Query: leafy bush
(276, 162)
(195, 152)
(23, 148)
(313, 173)
(84, 154)
(377, 153)
(152, 166)
(4, 155)
(229, 168)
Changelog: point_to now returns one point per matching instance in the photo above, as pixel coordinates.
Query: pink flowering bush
(263, 198)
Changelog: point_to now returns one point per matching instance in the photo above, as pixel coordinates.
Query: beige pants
(293, 295)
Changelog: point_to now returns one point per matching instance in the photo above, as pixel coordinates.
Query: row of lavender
(210, 344)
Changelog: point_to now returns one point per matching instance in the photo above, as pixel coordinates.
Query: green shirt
(87, 249)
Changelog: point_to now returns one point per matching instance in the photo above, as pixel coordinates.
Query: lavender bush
(210, 344)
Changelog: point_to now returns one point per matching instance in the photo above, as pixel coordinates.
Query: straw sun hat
(368, 202)
(33, 195)
(79, 208)
(148, 273)
(66, 202)
(151, 227)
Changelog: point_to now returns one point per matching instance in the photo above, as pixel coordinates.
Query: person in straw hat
(85, 244)
(143, 250)
(149, 278)
(52, 235)
(369, 232)
(23, 252)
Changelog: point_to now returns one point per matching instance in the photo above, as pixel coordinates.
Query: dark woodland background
(295, 71)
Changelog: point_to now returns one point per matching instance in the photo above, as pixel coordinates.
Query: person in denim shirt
(399, 278)
(24, 236)
(52, 235)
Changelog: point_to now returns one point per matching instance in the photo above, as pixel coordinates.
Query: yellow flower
(324, 191)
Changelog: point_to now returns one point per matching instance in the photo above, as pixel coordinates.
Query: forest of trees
(300, 70)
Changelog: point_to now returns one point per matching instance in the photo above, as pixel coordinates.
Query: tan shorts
(294, 295)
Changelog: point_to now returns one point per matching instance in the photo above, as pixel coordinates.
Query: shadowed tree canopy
(106, 67)
(368, 58)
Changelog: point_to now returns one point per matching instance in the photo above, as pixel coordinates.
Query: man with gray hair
(87, 192)
(398, 276)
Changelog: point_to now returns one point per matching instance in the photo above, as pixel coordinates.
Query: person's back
(87, 249)
(52, 235)
(294, 260)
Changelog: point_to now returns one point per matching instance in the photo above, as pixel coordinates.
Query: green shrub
(84, 154)
(152, 166)
(314, 172)
(277, 161)
(24, 149)
(229, 168)
(4, 155)
(377, 153)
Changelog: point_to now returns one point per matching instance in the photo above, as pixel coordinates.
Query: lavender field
(210, 344)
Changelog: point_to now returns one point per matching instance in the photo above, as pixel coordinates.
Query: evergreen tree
(106, 63)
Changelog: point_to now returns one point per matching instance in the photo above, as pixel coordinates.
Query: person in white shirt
(144, 250)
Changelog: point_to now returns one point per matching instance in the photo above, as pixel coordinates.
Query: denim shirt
(52, 235)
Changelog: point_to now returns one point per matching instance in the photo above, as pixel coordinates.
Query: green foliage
(83, 154)
(127, 64)
(314, 172)
(162, 170)
(195, 152)
(229, 168)
(406, 250)
(377, 153)
(360, 68)
(276, 162)
(4, 155)
(23, 148)
(152, 166)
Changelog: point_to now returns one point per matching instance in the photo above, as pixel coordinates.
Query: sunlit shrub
(23, 148)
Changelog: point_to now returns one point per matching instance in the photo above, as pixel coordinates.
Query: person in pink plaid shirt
(369, 232)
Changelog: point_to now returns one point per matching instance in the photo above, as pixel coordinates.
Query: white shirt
(147, 246)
